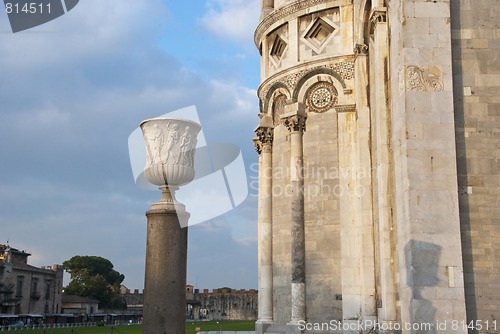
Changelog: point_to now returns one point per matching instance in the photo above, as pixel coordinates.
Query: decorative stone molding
(344, 69)
(282, 13)
(295, 123)
(421, 79)
(360, 50)
(346, 108)
(321, 97)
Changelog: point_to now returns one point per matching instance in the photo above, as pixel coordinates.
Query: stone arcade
(379, 165)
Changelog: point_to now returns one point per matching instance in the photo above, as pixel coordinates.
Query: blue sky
(72, 91)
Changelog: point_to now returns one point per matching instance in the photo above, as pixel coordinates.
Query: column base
(367, 321)
(261, 326)
(293, 328)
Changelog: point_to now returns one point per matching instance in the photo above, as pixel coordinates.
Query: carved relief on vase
(170, 148)
(421, 79)
(321, 97)
(170, 141)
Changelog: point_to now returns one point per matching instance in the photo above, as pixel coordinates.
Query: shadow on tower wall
(462, 172)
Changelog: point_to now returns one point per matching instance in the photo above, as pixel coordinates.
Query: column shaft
(298, 235)
(265, 237)
(364, 182)
(166, 264)
(385, 182)
(295, 121)
(263, 145)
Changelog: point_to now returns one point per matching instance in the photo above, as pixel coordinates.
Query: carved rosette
(170, 146)
(421, 79)
(295, 123)
(321, 97)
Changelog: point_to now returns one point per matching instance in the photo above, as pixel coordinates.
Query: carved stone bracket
(378, 15)
(360, 50)
(295, 123)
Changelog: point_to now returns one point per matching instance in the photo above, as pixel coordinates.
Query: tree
(94, 277)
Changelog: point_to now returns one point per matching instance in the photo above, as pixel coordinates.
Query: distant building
(79, 305)
(224, 303)
(25, 289)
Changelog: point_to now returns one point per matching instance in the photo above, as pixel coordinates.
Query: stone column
(295, 120)
(364, 183)
(265, 247)
(382, 160)
(166, 264)
(170, 148)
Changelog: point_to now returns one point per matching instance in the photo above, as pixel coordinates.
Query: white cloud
(92, 29)
(233, 19)
(72, 90)
(244, 106)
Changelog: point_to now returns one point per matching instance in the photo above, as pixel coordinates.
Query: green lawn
(204, 326)
(207, 326)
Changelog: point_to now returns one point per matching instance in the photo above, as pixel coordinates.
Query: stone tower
(379, 185)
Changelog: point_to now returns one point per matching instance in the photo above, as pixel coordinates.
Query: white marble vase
(170, 146)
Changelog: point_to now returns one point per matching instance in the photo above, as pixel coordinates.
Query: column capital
(264, 136)
(257, 145)
(378, 15)
(295, 123)
(360, 50)
(265, 133)
(294, 117)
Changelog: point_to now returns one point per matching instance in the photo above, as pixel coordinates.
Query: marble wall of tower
(413, 122)
(429, 270)
(476, 65)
